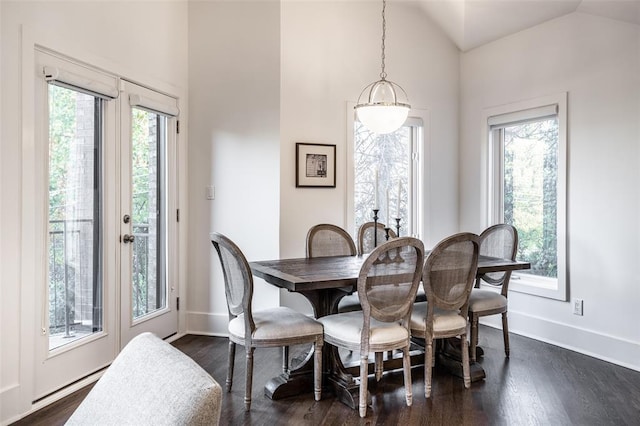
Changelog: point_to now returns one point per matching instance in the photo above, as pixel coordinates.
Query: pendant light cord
(383, 74)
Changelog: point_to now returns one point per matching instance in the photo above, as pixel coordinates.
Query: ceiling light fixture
(383, 112)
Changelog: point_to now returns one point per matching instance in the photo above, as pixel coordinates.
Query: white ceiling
(472, 23)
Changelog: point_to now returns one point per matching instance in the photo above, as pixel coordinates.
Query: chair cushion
(350, 303)
(443, 321)
(486, 300)
(346, 329)
(277, 323)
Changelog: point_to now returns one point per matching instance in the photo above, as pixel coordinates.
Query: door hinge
(178, 126)
(177, 303)
(178, 215)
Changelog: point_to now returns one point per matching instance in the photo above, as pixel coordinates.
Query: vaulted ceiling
(472, 23)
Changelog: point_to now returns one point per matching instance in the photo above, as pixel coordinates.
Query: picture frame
(315, 165)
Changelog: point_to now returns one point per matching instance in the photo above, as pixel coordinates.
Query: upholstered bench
(151, 383)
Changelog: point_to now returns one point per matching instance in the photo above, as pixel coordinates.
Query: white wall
(330, 52)
(234, 76)
(597, 61)
(143, 41)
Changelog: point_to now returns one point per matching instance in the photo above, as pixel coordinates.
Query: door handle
(128, 238)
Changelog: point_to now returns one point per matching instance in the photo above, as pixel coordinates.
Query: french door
(147, 213)
(107, 150)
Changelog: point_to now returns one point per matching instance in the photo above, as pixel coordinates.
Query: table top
(305, 274)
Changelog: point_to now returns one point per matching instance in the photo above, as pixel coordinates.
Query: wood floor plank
(540, 384)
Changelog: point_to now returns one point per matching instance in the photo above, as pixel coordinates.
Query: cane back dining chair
(387, 285)
(329, 240)
(447, 277)
(501, 241)
(325, 240)
(271, 327)
(365, 236)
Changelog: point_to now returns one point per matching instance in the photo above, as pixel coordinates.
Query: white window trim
(419, 184)
(523, 283)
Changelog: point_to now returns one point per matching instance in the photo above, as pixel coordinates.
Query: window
(527, 188)
(148, 149)
(389, 164)
(75, 283)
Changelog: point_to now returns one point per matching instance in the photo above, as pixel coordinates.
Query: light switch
(211, 192)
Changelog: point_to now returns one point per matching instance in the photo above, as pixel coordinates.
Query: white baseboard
(9, 404)
(207, 324)
(616, 350)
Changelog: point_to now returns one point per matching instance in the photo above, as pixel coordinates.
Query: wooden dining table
(323, 281)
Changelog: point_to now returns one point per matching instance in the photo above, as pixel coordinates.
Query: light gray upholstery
(485, 300)
(442, 320)
(276, 324)
(151, 383)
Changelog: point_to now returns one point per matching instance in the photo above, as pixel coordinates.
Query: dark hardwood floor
(540, 384)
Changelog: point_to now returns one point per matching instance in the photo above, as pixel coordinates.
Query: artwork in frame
(315, 165)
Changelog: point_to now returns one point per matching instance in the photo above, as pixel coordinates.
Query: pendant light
(382, 112)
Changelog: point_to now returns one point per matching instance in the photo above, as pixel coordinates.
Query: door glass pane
(389, 157)
(75, 285)
(531, 192)
(148, 159)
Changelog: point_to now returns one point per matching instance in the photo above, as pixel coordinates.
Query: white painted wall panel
(144, 41)
(597, 61)
(330, 52)
(234, 75)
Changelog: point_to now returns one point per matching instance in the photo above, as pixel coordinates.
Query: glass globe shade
(382, 113)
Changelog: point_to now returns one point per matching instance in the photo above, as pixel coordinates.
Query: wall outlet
(577, 306)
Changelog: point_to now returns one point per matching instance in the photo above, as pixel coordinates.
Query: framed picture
(315, 165)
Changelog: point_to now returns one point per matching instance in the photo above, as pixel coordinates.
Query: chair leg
(378, 365)
(428, 362)
(230, 364)
(317, 370)
(248, 380)
(285, 359)
(465, 361)
(406, 363)
(505, 334)
(474, 336)
(364, 371)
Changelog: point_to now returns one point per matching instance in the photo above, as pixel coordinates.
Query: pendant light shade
(382, 106)
(382, 113)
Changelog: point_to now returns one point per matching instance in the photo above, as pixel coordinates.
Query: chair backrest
(365, 236)
(389, 280)
(501, 241)
(325, 240)
(449, 273)
(238, 279)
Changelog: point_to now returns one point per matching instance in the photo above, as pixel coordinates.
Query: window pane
(390, 156)
(531, 192)
(149, 284)
(75, 286)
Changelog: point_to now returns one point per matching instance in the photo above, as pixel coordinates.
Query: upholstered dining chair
(270, 327)
(329, 240)
(325, 240)
(501, 241)
(387, 286)
(447, 277)
(365, 236)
